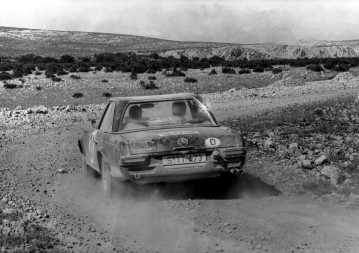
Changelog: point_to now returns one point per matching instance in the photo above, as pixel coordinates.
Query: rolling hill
(19, 41)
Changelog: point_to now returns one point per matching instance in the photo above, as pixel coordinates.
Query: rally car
(162, 138)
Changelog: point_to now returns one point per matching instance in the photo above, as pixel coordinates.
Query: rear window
(187, 112)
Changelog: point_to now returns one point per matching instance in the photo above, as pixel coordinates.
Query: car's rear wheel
(107, 180)
(87, 171)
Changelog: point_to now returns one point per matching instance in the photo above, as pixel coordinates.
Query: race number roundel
(212, 142)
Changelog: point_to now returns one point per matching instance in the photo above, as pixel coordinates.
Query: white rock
(320, 160)
(332, 172)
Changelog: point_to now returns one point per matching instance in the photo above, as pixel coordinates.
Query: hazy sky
(237, 21)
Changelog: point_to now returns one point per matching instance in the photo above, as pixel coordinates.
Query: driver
(135, 118)
(179, 111)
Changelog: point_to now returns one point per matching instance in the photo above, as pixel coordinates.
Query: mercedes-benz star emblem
(183, 142)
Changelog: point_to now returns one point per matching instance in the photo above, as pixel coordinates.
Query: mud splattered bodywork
(162, 138)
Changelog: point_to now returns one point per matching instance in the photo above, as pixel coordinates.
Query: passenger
(179, 111)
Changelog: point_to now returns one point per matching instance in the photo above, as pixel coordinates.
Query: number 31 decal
(92, 147)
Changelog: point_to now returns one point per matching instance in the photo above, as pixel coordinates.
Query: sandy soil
(247, 215)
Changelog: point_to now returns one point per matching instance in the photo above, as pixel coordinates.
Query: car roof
(155, 97)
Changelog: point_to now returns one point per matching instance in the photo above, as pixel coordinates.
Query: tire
(107, 180)
(87, 171)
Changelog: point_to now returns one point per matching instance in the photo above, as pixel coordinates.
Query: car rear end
(180, 155)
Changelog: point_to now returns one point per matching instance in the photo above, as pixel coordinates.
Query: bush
(148, 86)
(84, 69)
(73, 69)
(315, 67)
(151, 71)
(277, 70)
(152, 78)
(77, 95)
(10, 85)
(133, 75)
(258, 69)
(213, 72)
(190, 80)
(75, 77)
(17, 74)
(227, 70)
(175, 73)
(56, 79)
(38, 88)
(244, 71)
(67, 59)
(37, 73)
(49, 74)
(61, 72)
(341, 67)
(5, 76)
(104, 80)
(106, 94)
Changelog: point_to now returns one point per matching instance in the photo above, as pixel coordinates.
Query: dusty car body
(162, 138)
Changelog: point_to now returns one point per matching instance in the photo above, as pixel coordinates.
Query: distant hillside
(19, 41)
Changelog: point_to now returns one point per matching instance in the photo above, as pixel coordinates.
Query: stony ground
(300, 193)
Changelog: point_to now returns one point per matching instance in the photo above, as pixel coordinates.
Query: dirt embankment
(46, 205)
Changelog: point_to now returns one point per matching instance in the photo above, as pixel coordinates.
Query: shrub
(73, 69)
(37, 73)
(84, 69)
(152, 78)
(315, 67)
(341, 67)
(106, 94)
(175, 73)
(258, 69)
(227, 70)
(104, 80)
(190, 80)
(98, 67)
(151, 71)
(77, 95)
(213, 72)
(10, 85)
(49, 74)
(17, 74)
(244, 71)
(61, 72)
(75, 77)
(67, 59)
(56, 79)
(148, 86)
(5, 76)
(133, 75)
(38, 88)
(277, 70)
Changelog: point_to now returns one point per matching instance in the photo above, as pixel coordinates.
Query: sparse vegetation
(38, 88)
(56, 79)
(244, 71)
(77, 95)
(277, 70)
(148, 86)
(75, 77)
(213, 72)
(9, 85)
(227, 70)
(190, 80)
(107, 94)
(104, 80)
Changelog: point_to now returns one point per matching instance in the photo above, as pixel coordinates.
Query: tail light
(124, 149)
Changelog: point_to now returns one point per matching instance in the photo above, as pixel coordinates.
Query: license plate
(184, 159)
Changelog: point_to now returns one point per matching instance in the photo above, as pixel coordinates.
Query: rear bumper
(153, 171)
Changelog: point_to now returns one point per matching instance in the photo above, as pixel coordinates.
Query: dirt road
(41, 171)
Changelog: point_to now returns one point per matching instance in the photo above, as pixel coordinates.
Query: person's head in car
(135, 114)
(179, 110)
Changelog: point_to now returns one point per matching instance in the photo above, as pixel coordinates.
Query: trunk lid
(164, 140)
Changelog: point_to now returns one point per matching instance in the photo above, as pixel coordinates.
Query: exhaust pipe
(236, 171)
